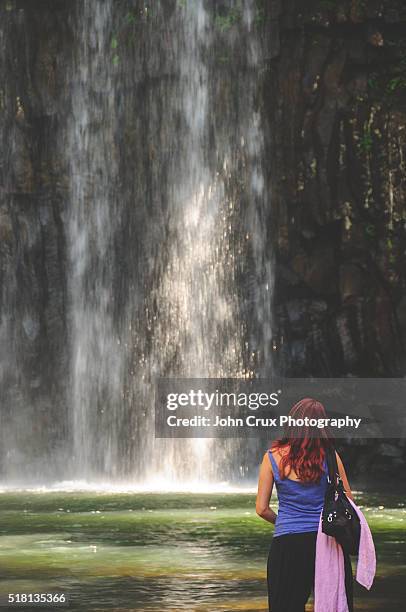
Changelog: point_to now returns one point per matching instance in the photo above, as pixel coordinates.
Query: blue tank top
(300, 504)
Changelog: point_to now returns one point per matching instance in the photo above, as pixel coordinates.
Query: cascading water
(214, 233)
(96, 359)
(168, 264)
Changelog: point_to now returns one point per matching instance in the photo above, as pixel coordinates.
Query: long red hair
(307, 444)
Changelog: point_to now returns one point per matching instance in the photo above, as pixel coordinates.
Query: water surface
(152, 551)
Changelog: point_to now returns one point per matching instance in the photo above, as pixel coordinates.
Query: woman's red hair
(307, 444)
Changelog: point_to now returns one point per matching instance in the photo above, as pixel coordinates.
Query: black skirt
(291, 564)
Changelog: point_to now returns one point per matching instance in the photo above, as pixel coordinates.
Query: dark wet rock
(339, 198)
(389, 450)
(338, 100)
(352, 280)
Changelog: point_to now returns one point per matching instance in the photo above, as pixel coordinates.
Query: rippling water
(152, 551)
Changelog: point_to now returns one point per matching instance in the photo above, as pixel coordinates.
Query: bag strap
(334, 477)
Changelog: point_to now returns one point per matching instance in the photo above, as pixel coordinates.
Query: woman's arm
(265, 486)
(343, 476)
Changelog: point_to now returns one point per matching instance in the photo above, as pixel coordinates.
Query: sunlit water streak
(152, 486)
(196, 301)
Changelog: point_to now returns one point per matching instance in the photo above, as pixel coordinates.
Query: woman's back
(296, 464)
(300, 503)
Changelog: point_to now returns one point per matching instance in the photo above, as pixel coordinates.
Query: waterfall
(97, 360)
(168, 267)
(200, 327)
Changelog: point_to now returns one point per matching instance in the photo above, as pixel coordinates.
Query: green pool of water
(195, 552)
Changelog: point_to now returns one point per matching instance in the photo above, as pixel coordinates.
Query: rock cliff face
(32, 244)
(334, 97)
(338, 106)
(338, 176)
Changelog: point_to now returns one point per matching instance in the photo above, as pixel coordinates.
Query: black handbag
(339, 518)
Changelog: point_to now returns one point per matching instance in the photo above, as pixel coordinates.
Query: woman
(297, 465)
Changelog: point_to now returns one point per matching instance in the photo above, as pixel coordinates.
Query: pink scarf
(329, 584)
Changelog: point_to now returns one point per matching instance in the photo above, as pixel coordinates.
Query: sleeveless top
(300, 504)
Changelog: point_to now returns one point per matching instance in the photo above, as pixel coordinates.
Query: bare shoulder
(280, 451)
(266, 460)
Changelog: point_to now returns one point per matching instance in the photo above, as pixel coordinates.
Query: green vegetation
(390, 82)
(370, 230)
(386, 88)
(365, 142)
(373, 81)
(228, 20)
(390, 248)
(131, 18)
(223, 59)
(114, 45)
(259, 18)
(396, 84)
